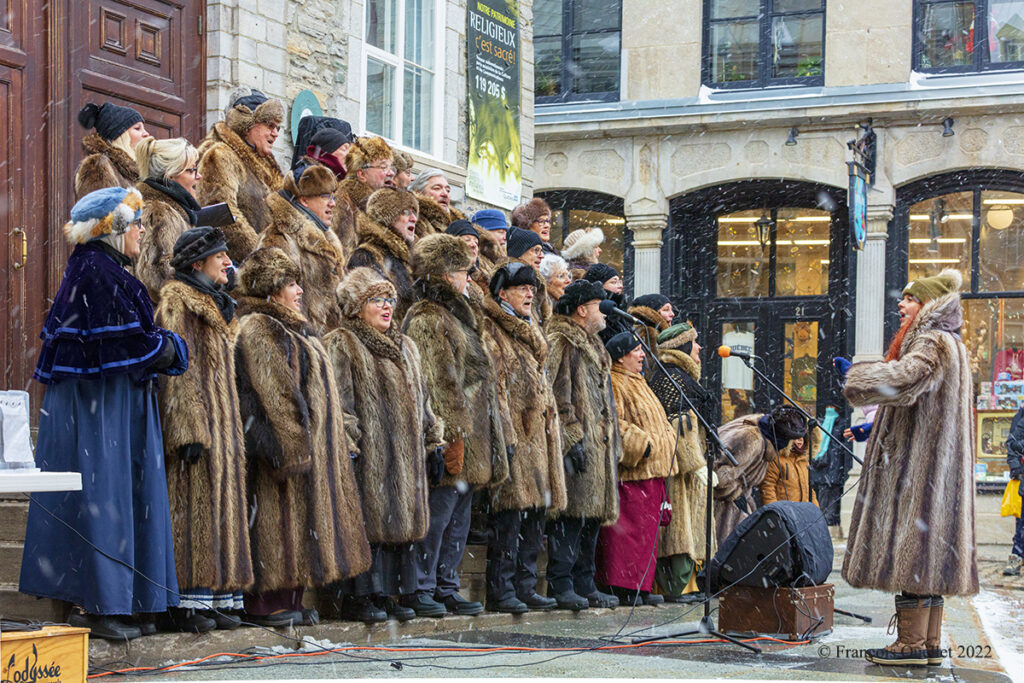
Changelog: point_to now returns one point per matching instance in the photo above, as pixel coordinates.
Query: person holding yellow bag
(1015, 459)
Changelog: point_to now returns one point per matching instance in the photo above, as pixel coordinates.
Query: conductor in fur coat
(385, 242)
(203, 441)
(110, 150)
(464, 395)
(369, 165)
(170, 178)
(627, 550)
(392, 432)
(755, 441)
(306, 527)
(579, 368)
(681, 545)
(434, 194)
(300, 226)
(536, 483)
(238, 167)
(912, 530)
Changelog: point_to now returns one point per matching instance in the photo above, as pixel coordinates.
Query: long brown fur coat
(579, 368)
(350, 220)
(753, 452)
(164, 220)
(519, 350)
(433, 218)
(913, 517)
(461, 380)
(307, 521)
(208, 509)
(389, 423)
(103, 166)
(317, 253)
(235, 174)
(651, 325)
(382, 249)
(643, 425)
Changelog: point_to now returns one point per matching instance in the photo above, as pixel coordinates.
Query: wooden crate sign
(53, 654)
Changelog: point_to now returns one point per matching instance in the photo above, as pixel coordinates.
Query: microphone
(727, 351)
(608, 307)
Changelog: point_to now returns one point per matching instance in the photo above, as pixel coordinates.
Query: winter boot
(911, 624)
(1013, 566)
(933, 642)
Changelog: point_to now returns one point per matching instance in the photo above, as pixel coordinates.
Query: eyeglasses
(386, 168)
(381, 301)
(192, 171)
(543, 221)
(325, 196)
(408, 212)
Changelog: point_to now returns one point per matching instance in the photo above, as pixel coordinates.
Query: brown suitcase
(787, 613)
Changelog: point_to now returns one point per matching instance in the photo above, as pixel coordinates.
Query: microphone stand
(713, 445)
(812, 421)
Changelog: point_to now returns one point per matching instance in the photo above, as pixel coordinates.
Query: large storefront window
(574, 210)
(979, 230)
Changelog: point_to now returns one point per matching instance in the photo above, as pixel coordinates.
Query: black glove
(510, 453)
(575, 460)
(741, 503)
(647, 452)
(190, 453)
(435, 466)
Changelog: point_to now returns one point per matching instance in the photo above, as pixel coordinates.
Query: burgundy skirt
(627, 552)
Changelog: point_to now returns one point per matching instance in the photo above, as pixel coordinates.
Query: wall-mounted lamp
(764, 228)
(791, 140)
(947, 127)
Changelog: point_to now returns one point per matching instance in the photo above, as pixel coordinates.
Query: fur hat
(600, 273)
(652, 301)
(439, 254)
(195, 244)
(109, 211)
(249, 107)
(524, 215)
(927, 289)
(519, 241)
(677, 336)
(490, 219)
(109, 120)
(358, 287)
(267, 271)
(782, 425)
(462, 227)
(578, 293)
(512, 274)
(387, 204)
(366, 151)
(310, 180)
(401, 160)
(621, 344)
(581, 243)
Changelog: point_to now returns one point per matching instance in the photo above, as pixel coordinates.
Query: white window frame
(398, 62)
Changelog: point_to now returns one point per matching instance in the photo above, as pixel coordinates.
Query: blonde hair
(164, 159)
(123, 142)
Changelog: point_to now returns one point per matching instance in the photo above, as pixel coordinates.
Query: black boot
(104, 626)
(393, 609)
(362, 609)
(185, 621)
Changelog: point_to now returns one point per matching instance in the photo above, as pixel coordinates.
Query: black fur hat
(577, 294)
(512, 274)
(195, 244)
(788, 422)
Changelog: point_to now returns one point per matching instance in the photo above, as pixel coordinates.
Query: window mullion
(764, 48)
(567, 27)
(399, 93)
(976, 240)
(982, 59)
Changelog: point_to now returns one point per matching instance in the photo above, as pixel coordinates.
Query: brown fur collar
(264, 168)
(434, 212)
(125, 165)
(357, 191)
(293, 320)
(387, 345)
(384, 238)
(944, 314)
(649, 316)
(151, 194)
(517, 328)
(682, 360)
(199, 303)
(564, 326)
(445, 296)
(290, 221)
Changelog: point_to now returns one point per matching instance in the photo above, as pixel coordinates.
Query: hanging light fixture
(936, 217)
(764, 229)
(999, 217)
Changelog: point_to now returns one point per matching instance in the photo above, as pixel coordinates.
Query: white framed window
(403, 72)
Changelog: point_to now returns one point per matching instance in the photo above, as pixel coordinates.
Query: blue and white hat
(110, 211)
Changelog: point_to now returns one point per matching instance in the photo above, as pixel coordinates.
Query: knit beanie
(490, 219)
(387, 204)
(328, 140)
(109, 120)
(524, 215)
(652, 301)
(577, 294)
(621, 344)
(519, 241)
(195, 244)
(678, 337)
(601, 273)
(927, 289)
(462, 227)
(358, 287)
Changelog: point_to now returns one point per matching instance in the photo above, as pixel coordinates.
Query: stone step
(10, 561)
(13, 517)
(15, 605)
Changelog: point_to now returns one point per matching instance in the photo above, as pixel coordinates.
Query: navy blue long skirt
(109, 430)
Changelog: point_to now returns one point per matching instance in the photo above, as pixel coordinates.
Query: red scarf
(897, 341)
(328, 160)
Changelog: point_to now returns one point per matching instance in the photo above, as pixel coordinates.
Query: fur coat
(382, 249)
(536, 476)
(350, 221)
(913, 517)
(316, 252)
(235, 174)
(304, 506)
(103, 166)
(208, 510)
(461, 380)
(753, 452)
(643, 425)
(164, 220)
(687, 488)
(788, 478)
(390, 425)
(433, 218)
(579, 368)
(651, 325)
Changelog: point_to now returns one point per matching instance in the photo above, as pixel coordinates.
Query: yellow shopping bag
(1010, 507)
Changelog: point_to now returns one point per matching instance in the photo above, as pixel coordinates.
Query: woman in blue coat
(101, 353)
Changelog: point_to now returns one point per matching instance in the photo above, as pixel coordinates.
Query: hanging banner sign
(858, 201)
(495, 170)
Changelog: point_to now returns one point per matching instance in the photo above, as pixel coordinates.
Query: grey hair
(551, 264)
(423, 178)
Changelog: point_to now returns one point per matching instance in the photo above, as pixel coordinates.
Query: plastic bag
(15, 437)
(1010, 507)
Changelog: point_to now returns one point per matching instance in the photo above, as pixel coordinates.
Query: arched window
(576, 209)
